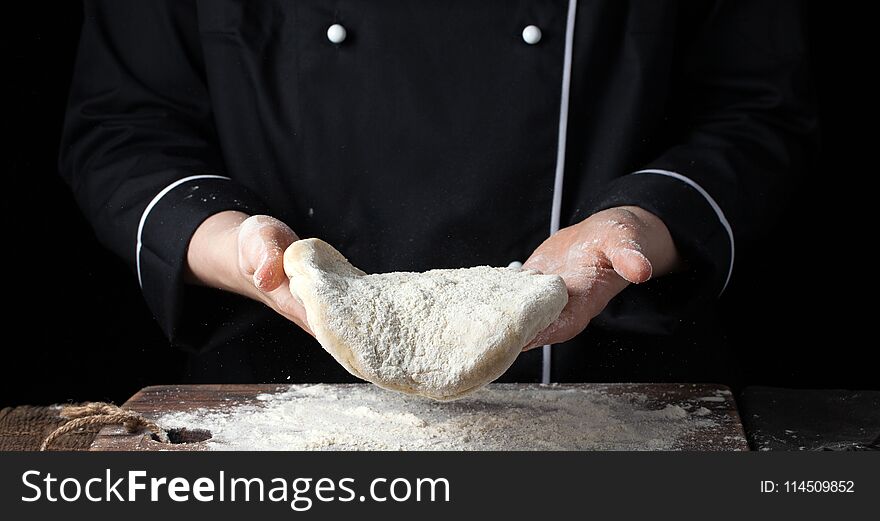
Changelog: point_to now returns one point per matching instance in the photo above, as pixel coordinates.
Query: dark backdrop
(84, 333)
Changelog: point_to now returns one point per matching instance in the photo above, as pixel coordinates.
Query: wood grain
(726, 432)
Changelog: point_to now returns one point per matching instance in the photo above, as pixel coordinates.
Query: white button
(531, 34)
(336, 33)
(515, 264)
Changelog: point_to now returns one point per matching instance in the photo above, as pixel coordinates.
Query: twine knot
(102, 414)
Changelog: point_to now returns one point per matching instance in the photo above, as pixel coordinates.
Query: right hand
(245, 255)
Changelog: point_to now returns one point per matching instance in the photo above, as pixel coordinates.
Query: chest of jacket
(430, 135)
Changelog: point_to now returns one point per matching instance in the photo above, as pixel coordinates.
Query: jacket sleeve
(138, 147)
(745, 123)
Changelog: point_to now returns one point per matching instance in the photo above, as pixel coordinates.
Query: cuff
(166, 227)
(697, 224)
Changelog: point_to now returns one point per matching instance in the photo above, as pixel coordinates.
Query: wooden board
(726, 432)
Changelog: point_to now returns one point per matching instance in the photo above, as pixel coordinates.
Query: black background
(76, 327)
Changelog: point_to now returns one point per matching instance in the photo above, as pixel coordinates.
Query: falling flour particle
(497, 417)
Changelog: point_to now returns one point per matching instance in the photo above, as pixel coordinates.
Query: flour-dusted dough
(440, 334)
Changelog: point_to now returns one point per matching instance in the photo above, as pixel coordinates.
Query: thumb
(630, 263)
(261, 244)
(269, 274)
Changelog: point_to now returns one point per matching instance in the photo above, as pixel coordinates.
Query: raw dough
(440, 334)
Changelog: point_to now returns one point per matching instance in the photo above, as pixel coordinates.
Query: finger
(633, 228)
(588, 294)
(560, 330)
(291, 308)
(552, 254)
(269, 274)
(630, 264)
(622, 248)
(261, 243)
(536, 262)
(573, 319)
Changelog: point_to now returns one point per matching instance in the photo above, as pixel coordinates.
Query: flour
(440, 334)
(497, 417)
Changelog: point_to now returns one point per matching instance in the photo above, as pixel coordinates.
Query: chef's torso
(423, 135)
(419, 135)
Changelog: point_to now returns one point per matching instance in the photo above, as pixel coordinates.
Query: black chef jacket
(434, 134)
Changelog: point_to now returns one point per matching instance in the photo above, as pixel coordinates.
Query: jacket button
(336, 33)
(515, 264)
(531, 34)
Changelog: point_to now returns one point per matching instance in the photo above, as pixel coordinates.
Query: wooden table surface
(726, 432)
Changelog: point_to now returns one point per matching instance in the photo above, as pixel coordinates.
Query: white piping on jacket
(721, 217)
(556, 209)
(150, 206)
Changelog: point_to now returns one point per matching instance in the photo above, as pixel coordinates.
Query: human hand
(245, 255)
(599, 257)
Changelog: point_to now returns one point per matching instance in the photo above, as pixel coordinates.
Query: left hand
(597, 258)
(244, 254)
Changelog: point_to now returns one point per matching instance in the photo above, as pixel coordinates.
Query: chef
(627, 146)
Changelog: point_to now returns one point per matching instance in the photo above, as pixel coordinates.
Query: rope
(102, 414)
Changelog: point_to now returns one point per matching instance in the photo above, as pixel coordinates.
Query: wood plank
(725, 433)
